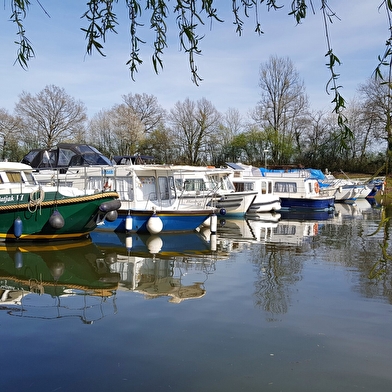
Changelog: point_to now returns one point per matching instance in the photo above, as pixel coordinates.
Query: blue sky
(229, 65)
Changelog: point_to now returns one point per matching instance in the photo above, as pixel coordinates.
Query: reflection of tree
(379, 272)
(362, 249)
(278, 269)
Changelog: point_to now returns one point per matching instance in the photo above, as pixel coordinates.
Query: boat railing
(287, 174)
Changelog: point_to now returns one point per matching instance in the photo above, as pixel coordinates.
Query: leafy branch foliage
(190, 15)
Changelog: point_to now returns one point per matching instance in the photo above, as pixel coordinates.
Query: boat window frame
(285, 187)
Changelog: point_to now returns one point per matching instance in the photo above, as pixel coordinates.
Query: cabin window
(65, 157)
(239, 186)
(172, 187)
(166, 188)
(266, 187)
(15, 177)
(30, 178)
(194, 184)
(287, 187)
(244, 186)
(148, 187)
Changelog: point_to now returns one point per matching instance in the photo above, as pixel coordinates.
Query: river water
(299, 304)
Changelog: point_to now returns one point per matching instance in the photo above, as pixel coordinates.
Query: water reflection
(344, 237)
(178, 266)
(70, 278)
(174, 266)
(267, 303)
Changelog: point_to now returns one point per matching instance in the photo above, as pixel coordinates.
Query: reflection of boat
(357, 210)
(30, 212)
(167, 265)
(249, 229)
(242, 231)
(72, 273)
(150, 202)
(294, 232)
(307, 215)
(190, 243)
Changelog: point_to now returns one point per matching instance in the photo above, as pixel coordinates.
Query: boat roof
(136, 159)
(65, 155)
(14, 166)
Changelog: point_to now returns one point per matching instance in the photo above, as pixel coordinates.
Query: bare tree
(117, 131)
(10, 134)
(147, 109)
(194, 123)
(375, 97)
(128, 129)
(283, 104)
(101, 132)
(52, 115)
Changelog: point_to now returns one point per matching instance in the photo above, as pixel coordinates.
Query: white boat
(298, 190)
(249, 178)
(150, 202)
(215, 187)
(347, 190)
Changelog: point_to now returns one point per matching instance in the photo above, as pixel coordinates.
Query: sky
(229, 64)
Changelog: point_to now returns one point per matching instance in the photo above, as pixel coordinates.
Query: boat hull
(137, 221)
(314, 204)
(268, 206)
(234, 204)
(24, 221)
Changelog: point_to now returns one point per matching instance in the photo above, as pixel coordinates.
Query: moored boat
(246, 178)
(214, 187)
(150, 202)
(29, 211)
(298, 191)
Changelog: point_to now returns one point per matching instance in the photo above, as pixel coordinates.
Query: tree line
(281, 129)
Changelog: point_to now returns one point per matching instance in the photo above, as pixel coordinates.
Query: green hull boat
(34, 212)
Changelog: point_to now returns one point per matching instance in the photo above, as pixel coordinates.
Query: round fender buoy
(222, 211)
(108, 206)
(56, 220)
(154, 224)
(111, 216)
(56, 269)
